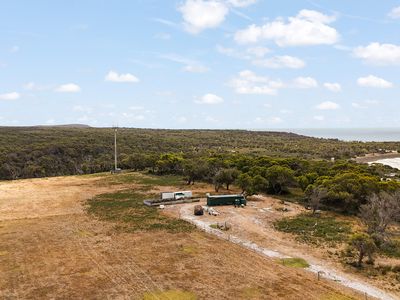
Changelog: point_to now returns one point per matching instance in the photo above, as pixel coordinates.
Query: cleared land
(51, 248)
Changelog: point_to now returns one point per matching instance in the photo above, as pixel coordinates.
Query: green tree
(225, 176)
(244, 181)
(364, 245)
(194, 170)
(279, 179)
(260, 184)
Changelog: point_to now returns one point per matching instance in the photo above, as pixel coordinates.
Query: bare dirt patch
(34, 198)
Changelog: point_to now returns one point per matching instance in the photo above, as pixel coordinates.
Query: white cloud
(195, 69)
(333, 87)
(50, 121)
(115, 77)
(379, 54)
(279, 62)
(375, 82)
(319, 118)
(199, 15)
(209, 99)
(249, 83)
(328, 105)
(307, 28)
(305, 82)
(68, 88)
(10, 96)
(395, 13)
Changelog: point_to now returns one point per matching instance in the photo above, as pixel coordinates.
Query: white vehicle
(183, 195)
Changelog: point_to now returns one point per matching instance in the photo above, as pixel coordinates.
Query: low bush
(315, 230)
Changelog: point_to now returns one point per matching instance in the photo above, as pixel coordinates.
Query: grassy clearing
(166, 180)
(391, 249)
(294, 262)
(143, 179)
(126, 209)
(170, 295)
(315, 230)
(295, 195)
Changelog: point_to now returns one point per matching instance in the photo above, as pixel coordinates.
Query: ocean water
(350, 134)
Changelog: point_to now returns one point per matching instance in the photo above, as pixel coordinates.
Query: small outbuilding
(237, 200)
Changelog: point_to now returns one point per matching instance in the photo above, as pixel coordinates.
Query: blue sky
(200, 64)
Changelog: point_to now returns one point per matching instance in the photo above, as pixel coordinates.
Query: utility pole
(115, 149)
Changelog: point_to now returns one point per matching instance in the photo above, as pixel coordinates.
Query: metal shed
(226, 200)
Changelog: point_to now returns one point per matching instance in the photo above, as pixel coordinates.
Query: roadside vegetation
(315, 230)
(294, 262)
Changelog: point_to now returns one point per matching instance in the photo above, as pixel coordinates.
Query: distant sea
(349, 134)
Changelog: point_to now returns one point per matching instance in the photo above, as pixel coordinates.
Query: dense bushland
(50, 151)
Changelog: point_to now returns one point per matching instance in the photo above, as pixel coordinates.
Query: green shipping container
(226, 200)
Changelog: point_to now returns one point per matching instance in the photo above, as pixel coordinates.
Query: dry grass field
(51, 248)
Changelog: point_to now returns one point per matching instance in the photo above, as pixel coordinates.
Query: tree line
(27, 152)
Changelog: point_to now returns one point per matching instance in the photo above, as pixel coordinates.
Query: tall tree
(380, 211)
(279, 178)
(364, 245)
(315, 196)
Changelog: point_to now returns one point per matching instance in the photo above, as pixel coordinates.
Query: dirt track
(49, 248)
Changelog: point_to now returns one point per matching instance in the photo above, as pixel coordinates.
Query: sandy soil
(50, 249)
(372, 157)
(35, 198)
